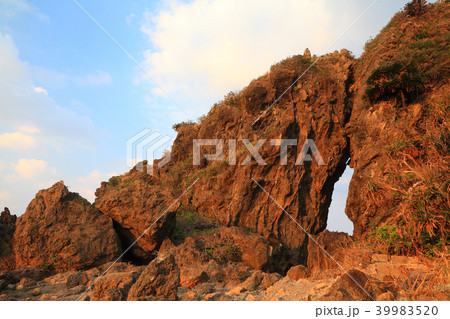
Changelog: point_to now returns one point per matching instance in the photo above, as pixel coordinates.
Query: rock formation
(138, 208)
(334, 243)
(397, 137)
(307, 53)
(330, 106)
(61, 231)
(159, 281)
(114, 286)
(318, 108)
(7, 227)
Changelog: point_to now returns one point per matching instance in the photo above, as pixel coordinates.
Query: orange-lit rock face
(61, 231)
(135, 204)
(317, 107)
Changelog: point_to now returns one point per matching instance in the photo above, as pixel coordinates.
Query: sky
(74, 90)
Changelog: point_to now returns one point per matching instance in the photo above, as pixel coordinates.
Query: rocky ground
(183, 273)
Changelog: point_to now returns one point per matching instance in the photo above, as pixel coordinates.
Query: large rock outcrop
(327, 107)
(61, 230)
(399, 137)
(140, 210)
(7, 227)
(317, 107)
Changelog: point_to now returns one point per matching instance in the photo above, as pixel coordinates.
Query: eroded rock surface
(7, 228)
(61, 230)
(334, 243)
(159, 281)
(318, 108)
(136, 205)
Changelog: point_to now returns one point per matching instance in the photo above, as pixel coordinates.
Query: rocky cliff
(385, 115)
(399, 134)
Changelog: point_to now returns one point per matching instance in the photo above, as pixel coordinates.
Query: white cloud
(29, 118)
(12, 8)
(56, 79)
(23, 179)
(51, 78)
(28, 129)
(17, 141)
(97, 78)
(202, 49)
(87, 185)
(23, 106)
(207, 48)
(39, 172)
(39, 89)
(129, 18)
(30, 168)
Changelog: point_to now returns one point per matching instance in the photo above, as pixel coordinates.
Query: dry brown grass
(413, 191)
(431, 285)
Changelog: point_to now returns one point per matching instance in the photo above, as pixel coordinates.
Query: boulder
(7, 227)
(113, 286)
(307, 53)
(258, 280)
(255, 250)
(192, 276)
(62, 231)
(351, 286)
(298, 272)
(159, 281)
(334, 243)
(138, 207)
(189, 253)
(77, 279)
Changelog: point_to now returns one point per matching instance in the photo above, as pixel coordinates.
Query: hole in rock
(337, 220)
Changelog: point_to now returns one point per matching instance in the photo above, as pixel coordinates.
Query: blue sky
(71, 97)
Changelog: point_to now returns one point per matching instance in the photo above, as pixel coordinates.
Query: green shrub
(415, 8)
(387, 240)
(298, 63)
(222, 249)
(179, 234)
(189, 224)
(114, 181)
(178, 125)
(395, 80)
(232, 99)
